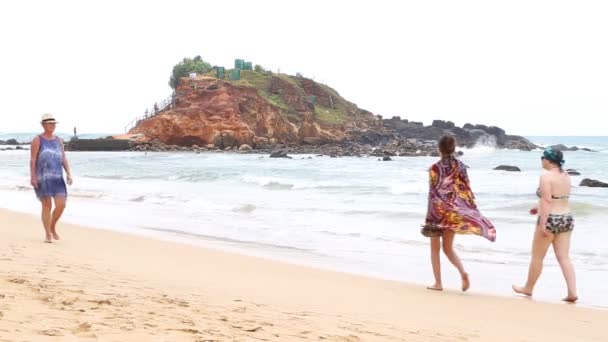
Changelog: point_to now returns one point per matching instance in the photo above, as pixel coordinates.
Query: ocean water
(354, 215)
(27, 137)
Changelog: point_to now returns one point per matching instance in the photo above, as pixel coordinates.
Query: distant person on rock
(46, 168)
(554, 224)
(451, 210)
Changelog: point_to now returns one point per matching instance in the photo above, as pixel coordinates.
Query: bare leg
(435, 261)
(59, 207)
(561, 246)
(47, 204)
(448, 250)
(540, 244)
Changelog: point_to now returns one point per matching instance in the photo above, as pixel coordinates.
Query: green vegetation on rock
(185, 67)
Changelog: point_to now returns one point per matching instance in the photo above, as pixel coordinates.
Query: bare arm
(34, 148)
(66, 165)
(544, 207)
(433, 179)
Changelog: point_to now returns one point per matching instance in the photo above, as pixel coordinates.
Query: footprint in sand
(242, 309)
(19, 281)
(69, 301)
(101, 302)
(51, 332)
(82, 328)
(247, 329)
(46, 299)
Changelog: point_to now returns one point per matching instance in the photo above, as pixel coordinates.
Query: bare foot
(436, 287)
(55, 235)
(522, 290)
(465, 282)
(48, 238)
(571, 299)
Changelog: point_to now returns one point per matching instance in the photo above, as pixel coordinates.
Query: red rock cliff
(257, 110)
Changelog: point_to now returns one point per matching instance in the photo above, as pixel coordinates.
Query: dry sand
(96, 284)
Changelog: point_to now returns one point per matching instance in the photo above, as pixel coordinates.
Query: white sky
(531, 67)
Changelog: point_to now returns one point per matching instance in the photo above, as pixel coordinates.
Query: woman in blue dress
(46, 168)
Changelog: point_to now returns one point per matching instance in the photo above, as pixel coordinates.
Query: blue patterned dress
(49, 169)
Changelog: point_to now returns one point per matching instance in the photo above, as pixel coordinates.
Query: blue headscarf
(554, 156)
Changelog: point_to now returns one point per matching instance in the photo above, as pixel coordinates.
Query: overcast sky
(531, 67)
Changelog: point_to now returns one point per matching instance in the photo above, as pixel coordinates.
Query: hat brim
(49, 121)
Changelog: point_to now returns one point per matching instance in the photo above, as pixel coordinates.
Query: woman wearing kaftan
(451, 210)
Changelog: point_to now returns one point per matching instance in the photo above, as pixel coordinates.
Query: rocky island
(255, 110)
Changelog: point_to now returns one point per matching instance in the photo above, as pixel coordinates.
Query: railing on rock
(158, 108)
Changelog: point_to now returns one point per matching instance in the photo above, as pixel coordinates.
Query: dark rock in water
(593, 183)
(19, 148)
(507, 168)
(312, 141)
(11, 142)
(514, 142)
(573, 172)
(481, 127)
(98, 145)
(497, 131)
(225, 140)
(469, 135)
(279, 154)
(386, 158)
(373, 138)
(561, 147)
(476, 134)
(461, 134)
(443, 124)
(460, 153)
(586, 149)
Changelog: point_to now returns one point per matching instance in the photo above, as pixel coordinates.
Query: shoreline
(199, 292)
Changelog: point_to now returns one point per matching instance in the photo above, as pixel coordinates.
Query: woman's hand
(70, 180)
(543, 230)
(34, 182)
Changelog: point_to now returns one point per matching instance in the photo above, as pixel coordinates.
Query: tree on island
(185, 67)
(259, 68)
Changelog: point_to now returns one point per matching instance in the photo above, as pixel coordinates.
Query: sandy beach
(103, 285)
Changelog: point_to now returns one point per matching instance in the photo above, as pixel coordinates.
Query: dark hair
(447, 145)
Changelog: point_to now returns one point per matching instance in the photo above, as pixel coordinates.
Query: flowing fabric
(49, 169)
(452, 203)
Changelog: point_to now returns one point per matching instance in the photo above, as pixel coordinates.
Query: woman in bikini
(451, 210)
(554, 225)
